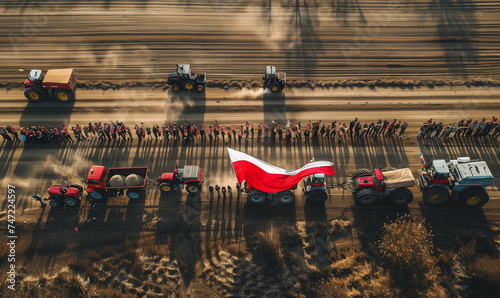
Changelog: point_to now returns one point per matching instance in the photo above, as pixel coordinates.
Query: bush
(406, 248)
(485, 275)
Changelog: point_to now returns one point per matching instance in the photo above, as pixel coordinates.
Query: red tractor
(369, 186)
(57, 83)
(63, 195)
(190, 178)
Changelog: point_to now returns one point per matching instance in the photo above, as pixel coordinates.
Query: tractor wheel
(401, 197)
(256, 197)
(366, 197)
(33, 95)
(473, 197)
(54, 202)
(97, 195)
(63, 95)
(274, 87)
(286, 197)
(388, 169)
(363, 172)
(433, 196)
(71, 201)
(176, 88)
(317, 197)
(188, 85)
(165, 187)
(193, 188)
(77, 187)
(135, 194)
(200, 88)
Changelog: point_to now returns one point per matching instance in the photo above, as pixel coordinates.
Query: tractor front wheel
(473, 197)
(366, 197)
(193, 188)
(256, 197)
(401, 197)
(200, 88)
(176, 88)
(33, 95)
(363, 172)
(317, 197)
(286, 197)
(165, 187)
(63, 95)
(435, 196)
(71, 201)
(135, 194)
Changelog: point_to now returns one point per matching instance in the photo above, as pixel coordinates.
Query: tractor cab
(274, 81)
(437, 171)
(315, 182)
(376, 181)
(96, 177)
(35, 78)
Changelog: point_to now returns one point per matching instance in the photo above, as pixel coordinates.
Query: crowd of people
(275, 131)
(465, 128)
(188, 132)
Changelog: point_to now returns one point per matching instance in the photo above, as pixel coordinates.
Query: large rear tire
(434, 196)
(286, 197)
(401, 197)
(71, 201)
(97, 195)
(63, 95)
(256, 197)
(317, 197)
(188, 85)
(165, 187)
(366, 197)
(135, 194)
(54, 202)
(473, 197)
(363, 172)
(274, 87)
(193, 188)
(33, 95)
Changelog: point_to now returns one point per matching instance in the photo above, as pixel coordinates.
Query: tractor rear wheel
(433, 196)
(33, 95)
(63, 95)
(176, 88)
(401, 197)
(366, 197)
(54, 202)
(256, 197)
(135, 194)
(317, 197)
(274, 87)
(363, 172)
(286, 197)
(188, 85)
(165, 187)
(71, 201)
(200, 88)
(97, 195)
(473, 197)
(193, 188)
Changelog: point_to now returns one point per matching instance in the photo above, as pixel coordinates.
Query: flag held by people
(268, 178)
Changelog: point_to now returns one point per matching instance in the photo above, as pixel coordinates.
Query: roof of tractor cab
(441, 166)
(191, 172)
(270, 70)
(95, 172)
(477, 169)
(60, 76)
(184, 68)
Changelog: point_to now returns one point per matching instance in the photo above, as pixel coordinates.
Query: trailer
(103, 183)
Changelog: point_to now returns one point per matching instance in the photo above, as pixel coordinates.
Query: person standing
(280, 132)
(404, 125)
(202, 133)
(352, 124)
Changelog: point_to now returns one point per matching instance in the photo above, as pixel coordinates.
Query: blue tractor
(463, 180)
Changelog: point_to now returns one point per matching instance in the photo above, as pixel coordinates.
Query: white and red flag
(268, 178)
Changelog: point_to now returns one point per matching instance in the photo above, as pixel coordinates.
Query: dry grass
(485, 276)
(269, 247)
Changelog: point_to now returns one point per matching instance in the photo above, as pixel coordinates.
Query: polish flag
(268, 178)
